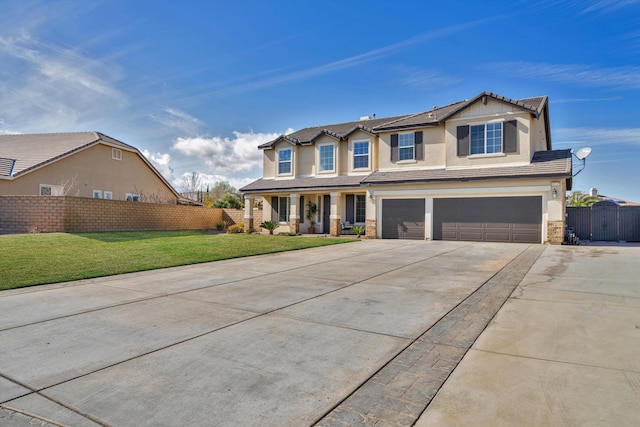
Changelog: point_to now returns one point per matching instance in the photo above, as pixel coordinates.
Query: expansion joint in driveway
(401, 390)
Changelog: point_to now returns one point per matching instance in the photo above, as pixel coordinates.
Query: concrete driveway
(365, 333)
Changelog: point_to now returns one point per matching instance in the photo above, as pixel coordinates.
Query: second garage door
(488, 219)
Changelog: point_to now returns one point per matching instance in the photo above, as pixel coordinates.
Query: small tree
(230, 201)
(580, 199)
(312, 210)
(269, 225)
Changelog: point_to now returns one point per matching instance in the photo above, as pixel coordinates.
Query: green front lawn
(34, 259)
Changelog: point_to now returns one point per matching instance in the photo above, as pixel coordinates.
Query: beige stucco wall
(433, 146)
(522, 156)
(94, 169)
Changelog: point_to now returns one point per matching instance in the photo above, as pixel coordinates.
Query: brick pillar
(334, 217)
(294, 213)
(294, 225)
(555, 232)
(248, 214)
(334, 229)
(371, 229)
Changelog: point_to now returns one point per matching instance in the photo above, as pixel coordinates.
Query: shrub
(236, 228)
(358, 230)
(221, 225)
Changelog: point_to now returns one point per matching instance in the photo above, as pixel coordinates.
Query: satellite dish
(583, 153)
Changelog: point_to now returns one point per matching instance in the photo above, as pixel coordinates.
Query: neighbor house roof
(23, 153)
(433, 117)
(617, 201)
(30, 151)
(544, 164)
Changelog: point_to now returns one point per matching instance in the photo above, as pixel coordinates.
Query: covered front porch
(332, 213)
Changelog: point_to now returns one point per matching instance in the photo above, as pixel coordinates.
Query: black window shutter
(510, 136)
(419, 145)
(274, 208)
(463, 141)
(301, 209)
(394, 147)
(349, 202)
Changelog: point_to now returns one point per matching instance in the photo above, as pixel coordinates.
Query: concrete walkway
(365, 333)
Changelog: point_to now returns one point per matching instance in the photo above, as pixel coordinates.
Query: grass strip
(34, 259)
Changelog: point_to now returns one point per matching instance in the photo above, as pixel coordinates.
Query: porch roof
(306, 183)
(555, 163)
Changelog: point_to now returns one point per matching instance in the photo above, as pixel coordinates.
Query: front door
(326, 211)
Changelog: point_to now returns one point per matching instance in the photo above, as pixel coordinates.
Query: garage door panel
(492, 236)
(497, 219)
(472, 236)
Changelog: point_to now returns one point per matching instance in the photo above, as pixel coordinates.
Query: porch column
(334, 216)
(248, 213)
(294, 213)
(371, 228)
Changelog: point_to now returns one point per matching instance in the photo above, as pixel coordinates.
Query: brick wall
(29, 214)
(234, 216)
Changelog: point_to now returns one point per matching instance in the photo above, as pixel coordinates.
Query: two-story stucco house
(479, 169)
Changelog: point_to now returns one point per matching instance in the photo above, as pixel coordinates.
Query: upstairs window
(116, 154)
(326, 158)
(284, 161)
(130, 197)
(486, 139)
(361, 155)
(406, 146)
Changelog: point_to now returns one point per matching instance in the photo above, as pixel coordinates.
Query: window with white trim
(51, 190)
(406, 146)
(326, 157)
(97, 194)
(116, 154)
(361, 208)
(130, 197)
(283, 209)
(361, 155)
(284, 161)
(486, 138)
(108, 195)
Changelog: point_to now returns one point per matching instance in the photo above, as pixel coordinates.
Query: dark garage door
(488, 219)
(403, 219)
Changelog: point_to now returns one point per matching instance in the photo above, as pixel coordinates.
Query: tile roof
(555, 163)
(33, 150)
(275, 185)
(433, 117)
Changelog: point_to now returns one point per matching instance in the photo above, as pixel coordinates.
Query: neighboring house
(480, 169)
(83, 164)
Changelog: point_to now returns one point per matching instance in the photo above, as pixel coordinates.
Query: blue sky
(197, 85)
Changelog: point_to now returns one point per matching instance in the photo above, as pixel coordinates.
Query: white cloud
(226, 155)
(177, 119)
(426, 78)
(48, 87)
(608, 6)
(627, 77)
(161, 161)
(596, 136)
